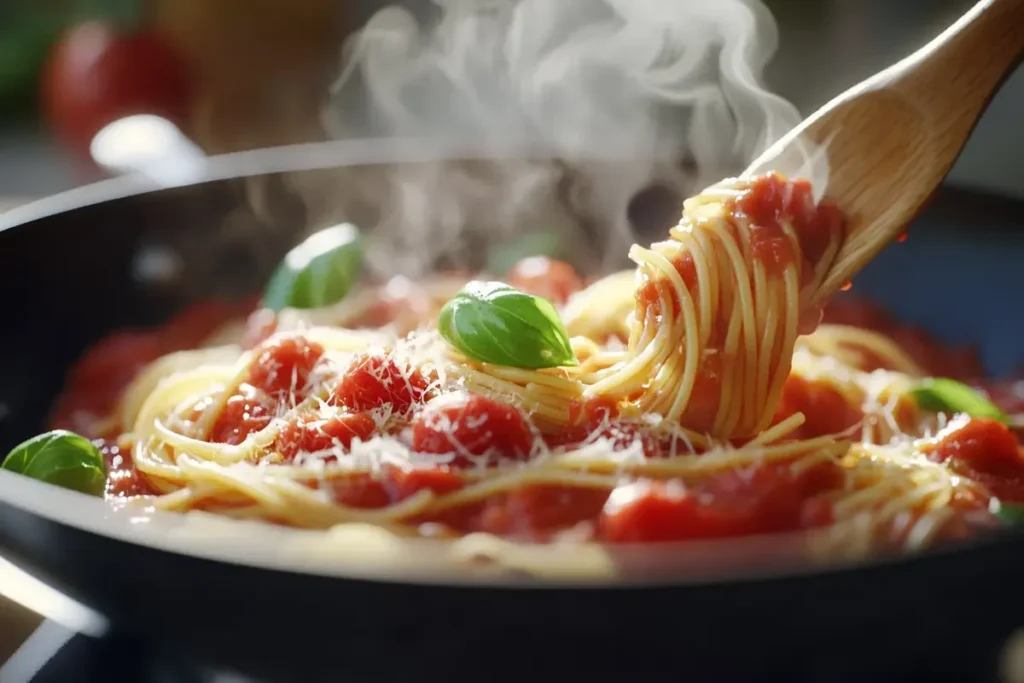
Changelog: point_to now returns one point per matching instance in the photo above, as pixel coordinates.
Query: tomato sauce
(769, 200)
(378, 395)
(98, 379)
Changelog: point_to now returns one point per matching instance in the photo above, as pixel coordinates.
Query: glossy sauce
(123, 480)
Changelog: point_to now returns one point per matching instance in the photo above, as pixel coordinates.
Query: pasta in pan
(695, 397)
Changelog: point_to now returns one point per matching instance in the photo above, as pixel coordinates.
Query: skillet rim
(312, 156)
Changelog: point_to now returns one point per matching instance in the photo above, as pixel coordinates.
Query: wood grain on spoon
(890, 140)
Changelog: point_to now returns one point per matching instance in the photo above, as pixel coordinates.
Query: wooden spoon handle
(974, 55)
(933, 100)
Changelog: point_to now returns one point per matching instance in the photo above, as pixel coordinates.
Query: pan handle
(150, 146)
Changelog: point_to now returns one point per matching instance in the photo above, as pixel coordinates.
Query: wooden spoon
(890, 140)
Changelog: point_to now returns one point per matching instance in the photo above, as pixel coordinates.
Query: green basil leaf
(495, 323)
(61, 458)
(318, 272)
(503, 257)
(950, 396)
(1011, 514)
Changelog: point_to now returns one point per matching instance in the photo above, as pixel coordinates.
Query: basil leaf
(950, 396)
(502, 258)
(1010, 514)
(495, 323)
(318, 272)
(61, 458)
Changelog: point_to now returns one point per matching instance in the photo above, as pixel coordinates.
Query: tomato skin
(545, 277)
(473, 425)
(285, 364)
(374, 381)
(315, 435)
(96, 75)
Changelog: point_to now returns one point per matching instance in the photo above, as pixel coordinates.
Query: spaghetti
(694, 408)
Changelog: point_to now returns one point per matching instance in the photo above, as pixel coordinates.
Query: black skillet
(67, 271)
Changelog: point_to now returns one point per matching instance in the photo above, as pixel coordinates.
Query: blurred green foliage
(28, 30)
(25, 41)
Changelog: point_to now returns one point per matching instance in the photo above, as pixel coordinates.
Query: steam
(625, 94)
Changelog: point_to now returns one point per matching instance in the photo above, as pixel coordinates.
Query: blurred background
(240, 74)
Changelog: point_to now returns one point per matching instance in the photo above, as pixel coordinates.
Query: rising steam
(624, 93)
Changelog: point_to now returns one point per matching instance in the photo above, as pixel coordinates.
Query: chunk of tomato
(375, 381)
(655, 512)
(304, 435)
(763, 499)
(282, 366)
(471, 426)
(985, 444)
(249, 410)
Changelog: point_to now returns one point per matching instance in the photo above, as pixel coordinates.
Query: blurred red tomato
(97, 74)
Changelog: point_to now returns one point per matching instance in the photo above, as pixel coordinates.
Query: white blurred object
(150, 146)
(31, 593)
